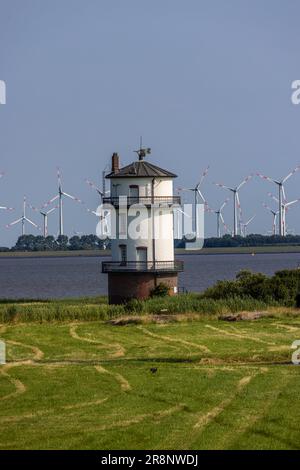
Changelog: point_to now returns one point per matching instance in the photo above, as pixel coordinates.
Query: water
(81, 276)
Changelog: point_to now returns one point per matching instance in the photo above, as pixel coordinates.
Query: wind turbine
(44, 214)
(281, 195)
(244, 226)
(61, 194)
(220, 217)
(274, 214)
(197, 193)
(23, 219)
(236, 201)
(284, 208)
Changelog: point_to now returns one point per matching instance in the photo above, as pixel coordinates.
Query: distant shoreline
(180, 251)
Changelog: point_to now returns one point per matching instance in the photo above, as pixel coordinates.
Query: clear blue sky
(205, 82)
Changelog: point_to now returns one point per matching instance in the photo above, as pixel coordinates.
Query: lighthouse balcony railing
(142, 266)
(143, 200)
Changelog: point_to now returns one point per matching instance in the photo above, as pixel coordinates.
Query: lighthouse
(142, 245)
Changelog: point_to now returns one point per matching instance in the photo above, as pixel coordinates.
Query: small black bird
(153, 370)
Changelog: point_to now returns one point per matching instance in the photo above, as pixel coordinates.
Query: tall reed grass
(90, 309)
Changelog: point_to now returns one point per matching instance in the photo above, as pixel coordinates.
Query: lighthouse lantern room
(142, 247)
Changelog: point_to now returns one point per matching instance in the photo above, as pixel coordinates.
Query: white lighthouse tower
(143, 244)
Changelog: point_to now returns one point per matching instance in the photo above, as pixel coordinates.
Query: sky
(206, 82)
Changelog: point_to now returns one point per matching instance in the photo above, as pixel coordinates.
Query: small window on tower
(133, 194)
(123, 254)
(122, 224)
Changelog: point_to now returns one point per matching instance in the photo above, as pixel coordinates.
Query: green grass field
(88, 385)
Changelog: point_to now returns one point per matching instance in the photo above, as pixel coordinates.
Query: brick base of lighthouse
(123, 287)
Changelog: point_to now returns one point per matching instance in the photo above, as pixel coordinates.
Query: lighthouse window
(122, 224)
(148, 189)
(123, 254)
(133, 193)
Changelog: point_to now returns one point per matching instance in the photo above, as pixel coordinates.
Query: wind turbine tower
(236, 201)
(220, 217)
(274, 214)
(244, 226)
(281, 196)
(284, 208)
(44, 214)
(61, 194)
(23, 219)
(197, 194)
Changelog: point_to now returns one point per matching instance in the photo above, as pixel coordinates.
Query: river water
(81, 276)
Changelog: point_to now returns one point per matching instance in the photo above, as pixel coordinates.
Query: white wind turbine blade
(30, 221)
(269, 208)
(51, 210)
(186, 189)
(224, 224)
(288, 204)
(283, 194)
(224, 204)
(273, 197)
(182, 212)
(58, 176)
(73, 197)
(93, 212)
(238, 202)
(266, 206)
(50, 201)
(201, 196)
(220, 185)
(267, 178)
(202, 177)
(14, 222)
(33, 208)
(291, 173)
(250, 220)
(92, 185)
(248, 178)
(5, 208)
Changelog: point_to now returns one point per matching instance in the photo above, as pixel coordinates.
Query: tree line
(92, 242)
(61, 243)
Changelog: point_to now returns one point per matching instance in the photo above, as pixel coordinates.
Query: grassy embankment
(89, 385)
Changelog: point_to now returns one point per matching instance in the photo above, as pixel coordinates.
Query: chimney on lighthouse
(115, 163)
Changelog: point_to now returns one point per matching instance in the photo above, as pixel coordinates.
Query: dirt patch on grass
(242, 316)
(125, 386)
(175, 340)
(117, 350)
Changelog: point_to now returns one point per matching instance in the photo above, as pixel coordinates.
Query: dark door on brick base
(141, 257)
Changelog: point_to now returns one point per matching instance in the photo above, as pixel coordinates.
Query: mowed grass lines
(88, 385)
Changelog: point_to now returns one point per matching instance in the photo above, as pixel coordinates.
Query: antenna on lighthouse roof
(142, 152)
